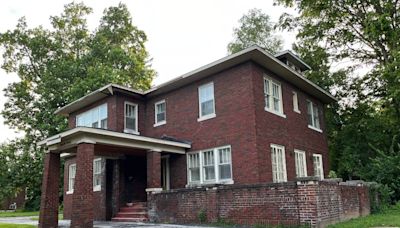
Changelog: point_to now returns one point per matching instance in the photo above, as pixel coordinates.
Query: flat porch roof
(71, 138)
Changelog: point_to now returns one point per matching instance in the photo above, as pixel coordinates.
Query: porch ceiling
(73, 137)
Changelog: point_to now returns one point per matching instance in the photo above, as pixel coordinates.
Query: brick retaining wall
(306, 201)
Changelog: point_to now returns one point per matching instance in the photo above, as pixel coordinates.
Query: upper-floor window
(131, 118)
(206, 101)
(295, 103)
(160, 113)
(278, 163)
(273, 96)
(210, 166)
(313, 116)
(95, 117)
(318, 166)
(97, 174)
(301, 165)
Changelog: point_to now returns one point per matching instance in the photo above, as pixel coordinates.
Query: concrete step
(133, 209)
(132, 215)
(120, 219)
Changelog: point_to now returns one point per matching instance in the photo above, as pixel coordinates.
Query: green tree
(364, 33)
(255, 28)
(57, 66)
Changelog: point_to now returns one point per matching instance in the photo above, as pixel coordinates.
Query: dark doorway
(135, 179)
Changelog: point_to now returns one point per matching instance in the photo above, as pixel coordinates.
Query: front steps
(135, 213)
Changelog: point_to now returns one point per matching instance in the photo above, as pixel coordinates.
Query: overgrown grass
(389, 217)
(19, 213)
(4, 225)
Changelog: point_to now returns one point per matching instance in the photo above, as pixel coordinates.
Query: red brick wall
(234, 123)
(291, 132)
(317, 203)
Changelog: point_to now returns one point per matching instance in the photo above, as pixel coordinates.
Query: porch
(132, 166)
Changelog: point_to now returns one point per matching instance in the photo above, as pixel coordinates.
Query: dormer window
(95, 117)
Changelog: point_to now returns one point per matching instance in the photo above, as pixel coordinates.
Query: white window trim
(271, 109)
(312, 117)
(97, 187)
(71, 190)
(296, 102)
(211, 115)
(130, 131)
(283, 160)
(322, 165)
(304, 161)
(217, 180)
(90, 110)
(156, 124)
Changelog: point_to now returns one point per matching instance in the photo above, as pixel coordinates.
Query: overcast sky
(182, 35)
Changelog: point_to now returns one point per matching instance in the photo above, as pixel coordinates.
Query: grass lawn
(387, 218)
(4, 225)
(19, 214)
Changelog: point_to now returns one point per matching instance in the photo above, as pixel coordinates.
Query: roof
(253, 53)
(293, 58)
(78, 135)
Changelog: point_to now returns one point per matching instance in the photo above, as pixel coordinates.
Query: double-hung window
(273, 96)
(71, 178)
(301, 165)
(206, 101)
(97, 174)
(160, 113)
(193, 161)
(210, 166)
(95, 117)
(131, 118)
(295, 103)
(278, 163)
(313, 116)
(318, 166)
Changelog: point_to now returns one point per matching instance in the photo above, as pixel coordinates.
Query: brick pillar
(82, 199)
(153, 171)
(364, 202)
(307, 199)
(50, 186)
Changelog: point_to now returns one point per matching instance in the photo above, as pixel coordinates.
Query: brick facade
(317, 203)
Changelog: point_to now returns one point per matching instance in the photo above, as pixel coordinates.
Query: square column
(82, 199)
(153, 171)
(50, 196)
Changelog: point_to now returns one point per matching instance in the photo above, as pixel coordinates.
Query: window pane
(103, 124)
(160, 117)
(206, 92)
(194, 174)
(160, 107)
(130, 123)
(276, 104)
(316, 116)
(207, 107)
(103, 112)
(209, 173)
(225, 171)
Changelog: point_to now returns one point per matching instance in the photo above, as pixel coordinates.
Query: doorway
(165, 177)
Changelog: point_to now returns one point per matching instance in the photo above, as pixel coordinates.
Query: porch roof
(73, 137)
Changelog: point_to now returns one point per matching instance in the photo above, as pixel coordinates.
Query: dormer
(293, 61)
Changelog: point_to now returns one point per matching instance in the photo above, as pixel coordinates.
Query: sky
(182, 35)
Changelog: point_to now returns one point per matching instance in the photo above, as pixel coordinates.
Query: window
(206, 102)
(96, 117)
(318, 166)
(194, 167)
(224, 164)
(313, 116)
(208, 165)
(131, 120)
(300, 160)
(71, 178)
(160, 113)
(278, 163)
(97, 174)
(215, 165)
(273, 96)
(295, 103)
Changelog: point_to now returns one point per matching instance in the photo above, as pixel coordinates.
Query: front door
(165, 172)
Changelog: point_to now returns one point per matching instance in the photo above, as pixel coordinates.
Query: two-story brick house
(248, 118)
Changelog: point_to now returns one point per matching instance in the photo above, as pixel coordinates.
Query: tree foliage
(364, 35)
(58, 65)
(255, 28)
